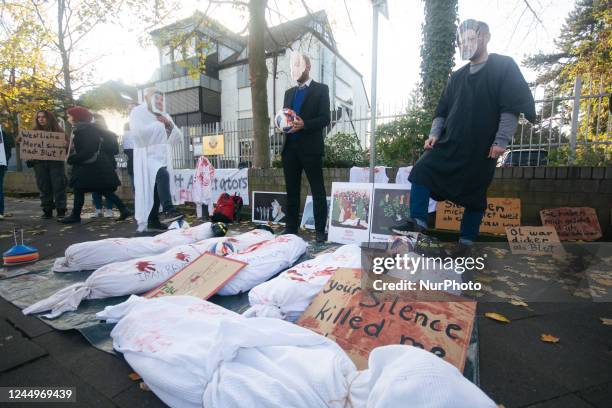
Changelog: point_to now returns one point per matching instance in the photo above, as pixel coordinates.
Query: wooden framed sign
(201, 278)
(360, 321)
(42, 145)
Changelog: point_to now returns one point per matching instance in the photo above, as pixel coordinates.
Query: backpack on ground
(224, 209)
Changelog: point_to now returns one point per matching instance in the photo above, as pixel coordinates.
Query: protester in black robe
(475, 119)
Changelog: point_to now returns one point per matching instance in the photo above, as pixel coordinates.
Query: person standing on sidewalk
(50, 174)
(7, 142)
(153, 133)
(92, 164)
(475, 120)
(304, 147)
(104, 208)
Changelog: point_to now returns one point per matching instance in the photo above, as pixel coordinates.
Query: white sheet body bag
(142, 274)
(264, 260)
(193, 354)
(87, 256)
(290, 293)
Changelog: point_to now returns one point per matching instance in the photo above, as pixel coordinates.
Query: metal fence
(572, 127)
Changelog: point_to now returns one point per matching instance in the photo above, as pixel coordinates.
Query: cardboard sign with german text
(500, 213)
(201, 278)
(534, 240)
(573, 223)
(360, 321)
(42, 145)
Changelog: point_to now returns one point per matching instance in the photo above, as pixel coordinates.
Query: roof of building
(277, 39)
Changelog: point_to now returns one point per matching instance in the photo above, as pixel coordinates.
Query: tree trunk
(437, 50)
(258, 74)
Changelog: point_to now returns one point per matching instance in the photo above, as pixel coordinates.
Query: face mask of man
(298, 65)
(467, 39)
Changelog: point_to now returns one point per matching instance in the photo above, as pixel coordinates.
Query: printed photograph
(351, 209)
(269, 207)
(390, 208)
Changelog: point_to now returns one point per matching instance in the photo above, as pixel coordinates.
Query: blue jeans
(419, 203)
(97, 200)
(2, 171)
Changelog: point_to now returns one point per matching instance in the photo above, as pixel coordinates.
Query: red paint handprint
(145, 266)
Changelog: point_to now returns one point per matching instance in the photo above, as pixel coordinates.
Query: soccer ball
(284, 119)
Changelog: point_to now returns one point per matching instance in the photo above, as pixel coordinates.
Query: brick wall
(537, 187)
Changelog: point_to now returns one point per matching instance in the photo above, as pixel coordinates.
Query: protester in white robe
(153, 132)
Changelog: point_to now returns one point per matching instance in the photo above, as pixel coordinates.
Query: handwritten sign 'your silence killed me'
(42, 145)
(360, 321)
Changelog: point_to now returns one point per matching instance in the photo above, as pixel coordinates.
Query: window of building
(166, 55)
(243, 76)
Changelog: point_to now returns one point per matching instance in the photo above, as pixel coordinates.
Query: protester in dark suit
(304, 147)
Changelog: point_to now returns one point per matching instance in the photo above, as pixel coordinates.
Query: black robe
(457, 168)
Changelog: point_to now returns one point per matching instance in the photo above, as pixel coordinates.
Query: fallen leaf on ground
(498, 317)
(549, 338)
(606, 321)
(516, 302)
(144, 386)
(134, 376)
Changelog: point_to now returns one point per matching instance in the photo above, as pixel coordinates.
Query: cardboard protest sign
(201, 278)
(573, 223)
(500, 213)
(42, 145)
(533, 240)
(360, 321)
(213, 145)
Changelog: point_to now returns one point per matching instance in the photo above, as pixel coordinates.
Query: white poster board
(390, 207)
(269, 207)
(308, 214)
(362, 174)
(225, 181)
(349, 220)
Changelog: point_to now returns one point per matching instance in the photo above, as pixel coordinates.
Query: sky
(514, 32)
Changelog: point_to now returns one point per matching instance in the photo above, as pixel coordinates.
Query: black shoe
(321, 237)
(156, 226)
(407, 227)
(125, 215)
(289, 231)
(71, 219)
(47, 214)
(171, 216)
(61, 213)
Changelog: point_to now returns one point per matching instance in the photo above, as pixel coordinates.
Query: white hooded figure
(152, 139)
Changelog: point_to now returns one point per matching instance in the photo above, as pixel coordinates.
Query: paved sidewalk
(516, 368)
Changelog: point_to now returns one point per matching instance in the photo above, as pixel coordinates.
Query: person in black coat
(92, 163)
(304, 146)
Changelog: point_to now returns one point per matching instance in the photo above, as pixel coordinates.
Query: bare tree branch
(533, 12)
